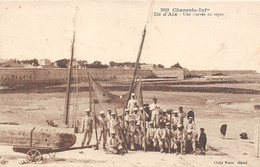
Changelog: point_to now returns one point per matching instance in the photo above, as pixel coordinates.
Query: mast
(136, 64)
(67, 99)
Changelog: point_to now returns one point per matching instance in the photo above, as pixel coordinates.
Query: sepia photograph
(130, 83)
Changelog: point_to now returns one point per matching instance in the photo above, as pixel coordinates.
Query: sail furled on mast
(103, 99)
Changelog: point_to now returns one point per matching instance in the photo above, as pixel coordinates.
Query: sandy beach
(211, 111)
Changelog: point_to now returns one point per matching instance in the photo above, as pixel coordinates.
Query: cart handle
(31, 136)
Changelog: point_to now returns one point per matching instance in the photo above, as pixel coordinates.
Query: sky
(112, 31)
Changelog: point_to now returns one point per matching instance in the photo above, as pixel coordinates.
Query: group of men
(147, 128)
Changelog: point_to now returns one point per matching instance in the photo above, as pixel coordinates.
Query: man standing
(127, 116)
(120, 119)
(134, 115)
(191, 114)
(114, 123)
(155, 110)
(109, 118)
(132, 131)
(104, 128)
(175, 120)
(182, 115)
(109, 113)
(142, 117)
(132, 103)
(202, 141)
(87, 127)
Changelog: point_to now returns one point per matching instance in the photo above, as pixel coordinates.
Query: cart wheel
(52, 155)
(34, 156)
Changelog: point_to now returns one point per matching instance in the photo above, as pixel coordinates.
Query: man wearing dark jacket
(191, 114)
(202, 141)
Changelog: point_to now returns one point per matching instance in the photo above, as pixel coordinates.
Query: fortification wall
(165, 73)
(59, 76)
(55, 76)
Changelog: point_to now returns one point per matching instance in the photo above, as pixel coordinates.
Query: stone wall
(55, 76)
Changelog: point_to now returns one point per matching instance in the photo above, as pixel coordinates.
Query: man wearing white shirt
(155, 110)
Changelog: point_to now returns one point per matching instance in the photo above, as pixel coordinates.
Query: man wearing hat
(170, 136)
(104, 128)
(87, 127)
(202, 141)
(150, 136)
(139, 134)
(164, 117)
(114, 123)
(155, 110)
(190, 135)
(132, 131)
(120, 119)
(191, 114)
(179, 138)
(115, 144)
(142, 117)
(132, 103)
(190, 138)
(175, 120)
(190, 125)
(182, 115)
(161, 137)
(134, 115)
(109, 118)
(127, 116)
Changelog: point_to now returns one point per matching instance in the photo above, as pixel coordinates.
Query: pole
(145, 147)
(77, 102)
(67, 100)
(92, 108)
(95, 119)
(170, 132)
(136, 66)
(257, 139)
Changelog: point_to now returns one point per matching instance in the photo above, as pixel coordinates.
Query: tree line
(64, 63)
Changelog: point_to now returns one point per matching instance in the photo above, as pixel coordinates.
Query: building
(45, 62)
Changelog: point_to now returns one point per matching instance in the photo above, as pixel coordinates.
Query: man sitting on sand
(190, 138)
(115, 144)
(190, 135)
